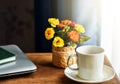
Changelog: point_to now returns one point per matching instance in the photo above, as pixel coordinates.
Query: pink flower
(72, 24)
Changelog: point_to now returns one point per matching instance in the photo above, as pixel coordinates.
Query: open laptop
(22, 64)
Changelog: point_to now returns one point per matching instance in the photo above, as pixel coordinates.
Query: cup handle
(68, 64)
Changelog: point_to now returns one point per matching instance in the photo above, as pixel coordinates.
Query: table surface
(47, 73)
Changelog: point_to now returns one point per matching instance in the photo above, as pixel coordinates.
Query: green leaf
(83, 39)
(72, 43)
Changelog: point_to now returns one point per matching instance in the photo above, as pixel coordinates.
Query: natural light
(101, 19)
(111, 31)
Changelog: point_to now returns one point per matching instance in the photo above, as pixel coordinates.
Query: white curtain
(111, 31)
(86, 12)
(101, 20)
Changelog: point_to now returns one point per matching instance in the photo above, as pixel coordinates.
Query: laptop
(22, 65)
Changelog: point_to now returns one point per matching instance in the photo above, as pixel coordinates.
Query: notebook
(6, 56)
(22, 64)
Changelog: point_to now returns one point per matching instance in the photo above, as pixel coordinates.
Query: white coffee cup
(90, 61)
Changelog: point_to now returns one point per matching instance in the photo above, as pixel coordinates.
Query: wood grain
(47, 73)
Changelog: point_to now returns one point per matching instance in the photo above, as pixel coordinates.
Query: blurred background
(23, 22)
(17, 23)
(77, 10)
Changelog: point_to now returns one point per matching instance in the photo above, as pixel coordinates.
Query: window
(111, 31)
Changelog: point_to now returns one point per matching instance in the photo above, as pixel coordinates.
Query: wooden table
(46, 73)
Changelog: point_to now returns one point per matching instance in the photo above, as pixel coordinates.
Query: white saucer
(108, 73)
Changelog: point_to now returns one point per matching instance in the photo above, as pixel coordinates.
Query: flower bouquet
(65, 35)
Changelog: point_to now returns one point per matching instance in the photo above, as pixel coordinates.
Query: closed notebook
(6, 56)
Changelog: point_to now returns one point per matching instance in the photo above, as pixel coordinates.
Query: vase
(60, 56)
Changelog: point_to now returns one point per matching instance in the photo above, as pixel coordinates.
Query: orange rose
(74, 36)
(61, 25)
(66, 21)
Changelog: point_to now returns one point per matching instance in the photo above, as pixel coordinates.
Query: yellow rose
(58, 42)
(53, 21)
(79, 28)
(49, 33)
